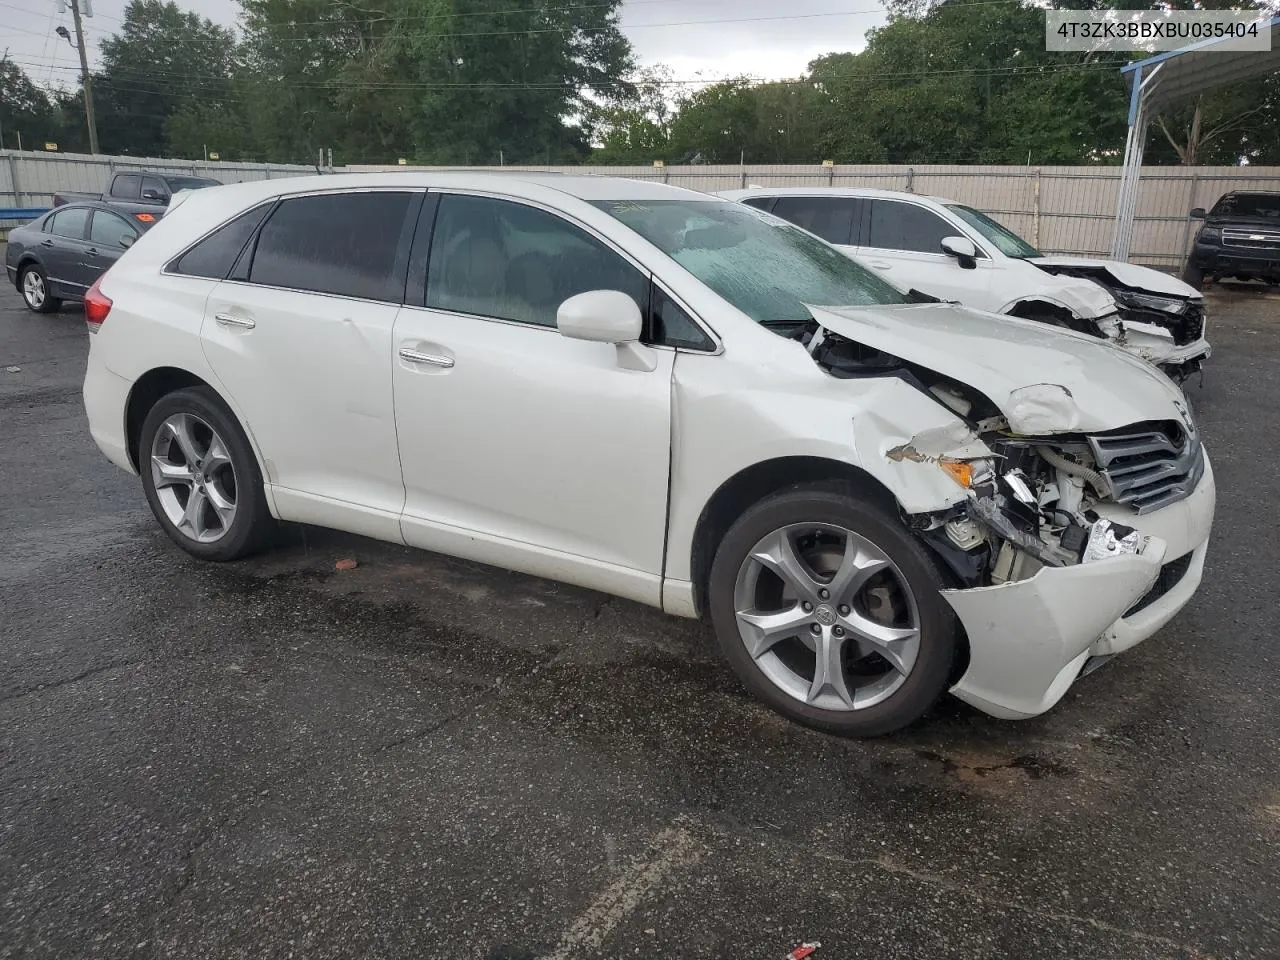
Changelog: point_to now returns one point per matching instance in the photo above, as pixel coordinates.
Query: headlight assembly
(1151, 302)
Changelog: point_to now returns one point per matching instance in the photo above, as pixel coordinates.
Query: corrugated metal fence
(1059, 209)
(30, 179)
(1063, 210)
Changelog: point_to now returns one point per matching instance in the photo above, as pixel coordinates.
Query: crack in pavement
(84, 675)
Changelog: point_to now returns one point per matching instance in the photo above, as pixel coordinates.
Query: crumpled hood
(1128, 274)
(1044, 380)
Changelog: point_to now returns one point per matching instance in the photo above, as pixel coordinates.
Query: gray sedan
(59, 255)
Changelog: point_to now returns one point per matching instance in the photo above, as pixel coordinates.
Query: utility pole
(3, 60)
(84, 79)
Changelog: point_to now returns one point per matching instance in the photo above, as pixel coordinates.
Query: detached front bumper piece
(1029, 640)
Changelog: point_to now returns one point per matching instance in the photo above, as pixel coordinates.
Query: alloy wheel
(194, 478)
(827, 617)
(33, 290)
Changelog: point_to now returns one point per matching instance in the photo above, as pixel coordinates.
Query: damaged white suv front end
(1079, 497)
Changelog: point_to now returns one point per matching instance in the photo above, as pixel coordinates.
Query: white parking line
(674, 847)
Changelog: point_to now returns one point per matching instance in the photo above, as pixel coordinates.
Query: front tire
(201, 477)
(829, 612)
(33, 283)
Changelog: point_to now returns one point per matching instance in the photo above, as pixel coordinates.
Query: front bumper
(1218, 262)
(1029, 640)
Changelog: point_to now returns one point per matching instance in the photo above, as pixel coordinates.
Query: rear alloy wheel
(35, 290)
(201, 477)
(829, 611)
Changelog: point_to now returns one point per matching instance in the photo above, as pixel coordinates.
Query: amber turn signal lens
(959, 471)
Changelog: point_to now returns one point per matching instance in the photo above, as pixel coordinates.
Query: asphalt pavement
(425, 758)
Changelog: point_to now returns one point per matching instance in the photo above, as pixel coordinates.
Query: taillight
(96, 307)
(145, 217)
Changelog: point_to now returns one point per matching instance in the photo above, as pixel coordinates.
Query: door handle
(92, 252)
(46, 243)
(880, 264)
(229, 321)
(416, 356)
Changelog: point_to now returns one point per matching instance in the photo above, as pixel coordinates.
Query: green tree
(26, 112)
(162, 59)
(635, 126)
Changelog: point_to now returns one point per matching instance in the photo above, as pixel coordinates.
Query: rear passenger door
(299, 335)
(903, 241)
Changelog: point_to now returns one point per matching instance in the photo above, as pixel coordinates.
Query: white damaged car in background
(872, 502)
(954, 252)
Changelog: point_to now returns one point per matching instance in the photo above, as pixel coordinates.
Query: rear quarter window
(214, 256)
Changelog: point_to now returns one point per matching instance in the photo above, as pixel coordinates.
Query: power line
(163, 80)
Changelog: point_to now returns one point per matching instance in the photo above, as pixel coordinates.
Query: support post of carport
(1131, 173)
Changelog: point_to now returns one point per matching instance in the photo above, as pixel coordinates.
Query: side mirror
(1198, 213)
(607, 316)
(962, 249)
(127, 241)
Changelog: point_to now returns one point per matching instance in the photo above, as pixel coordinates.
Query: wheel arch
(754, 483)
(158, 382)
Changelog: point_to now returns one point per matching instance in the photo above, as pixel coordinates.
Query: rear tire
(33, 284)
(874, 649)
(201, 477)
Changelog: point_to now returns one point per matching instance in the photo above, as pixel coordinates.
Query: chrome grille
(1264, 239)
(1150, 465)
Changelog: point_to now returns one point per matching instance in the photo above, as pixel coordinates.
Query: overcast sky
(765, 38)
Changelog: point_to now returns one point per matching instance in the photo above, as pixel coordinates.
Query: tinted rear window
(831, 218)
(127, 186)
(341, 243)
(214, 255)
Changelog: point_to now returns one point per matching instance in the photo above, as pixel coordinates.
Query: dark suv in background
(1240, 238)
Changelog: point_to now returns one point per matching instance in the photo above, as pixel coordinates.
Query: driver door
(521, 447)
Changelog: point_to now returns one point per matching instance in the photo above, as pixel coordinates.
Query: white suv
(635, 388)
(955, 252)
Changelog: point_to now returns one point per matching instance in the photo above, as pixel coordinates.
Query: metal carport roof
(1167, 78)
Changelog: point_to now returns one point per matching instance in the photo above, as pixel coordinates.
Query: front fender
(882, 426)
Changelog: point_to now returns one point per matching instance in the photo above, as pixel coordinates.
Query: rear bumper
(106, 397)
(1029, 640)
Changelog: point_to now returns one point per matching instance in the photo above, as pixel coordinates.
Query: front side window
(345, 244)
(70, 223)
(906, 226)
(831, 218)
(110, 230)
(1005, 240)
(759, 263)
(760, 203)
(496, 258)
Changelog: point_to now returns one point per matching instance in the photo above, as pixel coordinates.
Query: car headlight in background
(1209, 233)
(1149, 301)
